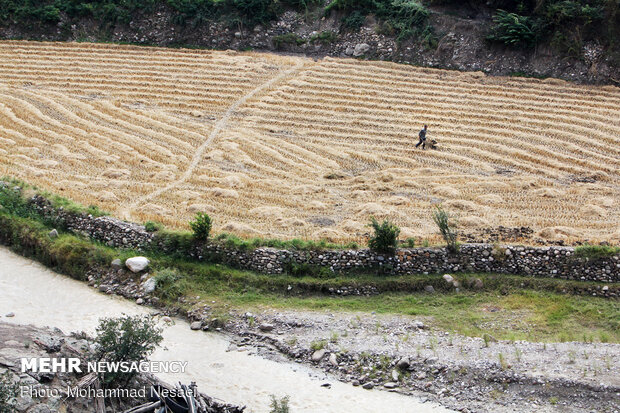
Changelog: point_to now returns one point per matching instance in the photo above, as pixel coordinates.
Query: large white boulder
(137, 264)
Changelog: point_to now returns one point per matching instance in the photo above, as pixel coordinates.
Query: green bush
(403, 18)
(201, 225)
(125, 339)
(325, 37)
(287, 39)
(353, 21)
(385, 237)
(408, 17)
(167, 283)
(151, 226)
(447, 228)
(9, 391)
(12, 202)
(514, 30)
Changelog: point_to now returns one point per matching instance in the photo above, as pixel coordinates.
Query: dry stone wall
(553, 262)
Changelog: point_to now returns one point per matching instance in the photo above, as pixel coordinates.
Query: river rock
(116, 264)
(333, 359)
(318, 355)
(429, 289)
(448, 278)
(368, 386)
(403, 364)
(137, 264)
(53, 234)
(140, 301)
(149, 285)
(196, 325)
(390, 385)
(395, 375)
(266, 327)
(10, 315)
(360, 49)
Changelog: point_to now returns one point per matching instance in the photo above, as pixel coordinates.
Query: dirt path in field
(125, 213)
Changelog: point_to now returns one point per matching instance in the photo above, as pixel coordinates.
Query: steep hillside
(571, 39)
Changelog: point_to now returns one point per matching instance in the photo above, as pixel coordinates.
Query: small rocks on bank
(116, 264)
(266, 327)
(318, 355)
(149, 285)
(361, 49)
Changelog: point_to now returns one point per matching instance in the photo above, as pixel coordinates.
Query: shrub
(279, 406)
(201, 225)
(167, 283)
(447, 228)
(403, 18)
(9, 391)
(408, 17)
(353, 21)
(287, 39)
(325, 37)
(12, 202)
(512, 29)
(125, 339)
(385, 237)
(151, 226)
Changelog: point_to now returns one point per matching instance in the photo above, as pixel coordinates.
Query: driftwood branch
(145, 408)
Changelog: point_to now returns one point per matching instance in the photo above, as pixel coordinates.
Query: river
(41, 297)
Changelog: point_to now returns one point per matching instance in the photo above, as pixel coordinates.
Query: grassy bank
(507, 307)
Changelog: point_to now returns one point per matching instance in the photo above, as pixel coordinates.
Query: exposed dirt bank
(460, 35)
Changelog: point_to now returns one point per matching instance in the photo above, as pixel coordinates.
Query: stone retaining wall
(554, 262)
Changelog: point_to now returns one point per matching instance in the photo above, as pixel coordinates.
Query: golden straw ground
(288, 147)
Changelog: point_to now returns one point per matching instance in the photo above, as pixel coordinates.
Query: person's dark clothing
(422, 136)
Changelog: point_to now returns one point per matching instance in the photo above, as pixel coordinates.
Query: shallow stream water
(41, 297)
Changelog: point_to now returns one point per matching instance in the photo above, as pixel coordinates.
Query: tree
(125, 339)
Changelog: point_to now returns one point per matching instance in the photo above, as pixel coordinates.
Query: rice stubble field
(280, 146)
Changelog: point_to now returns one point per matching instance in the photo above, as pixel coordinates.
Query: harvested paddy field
(280, 146)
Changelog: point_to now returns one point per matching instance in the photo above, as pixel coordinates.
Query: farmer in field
(422, 136)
